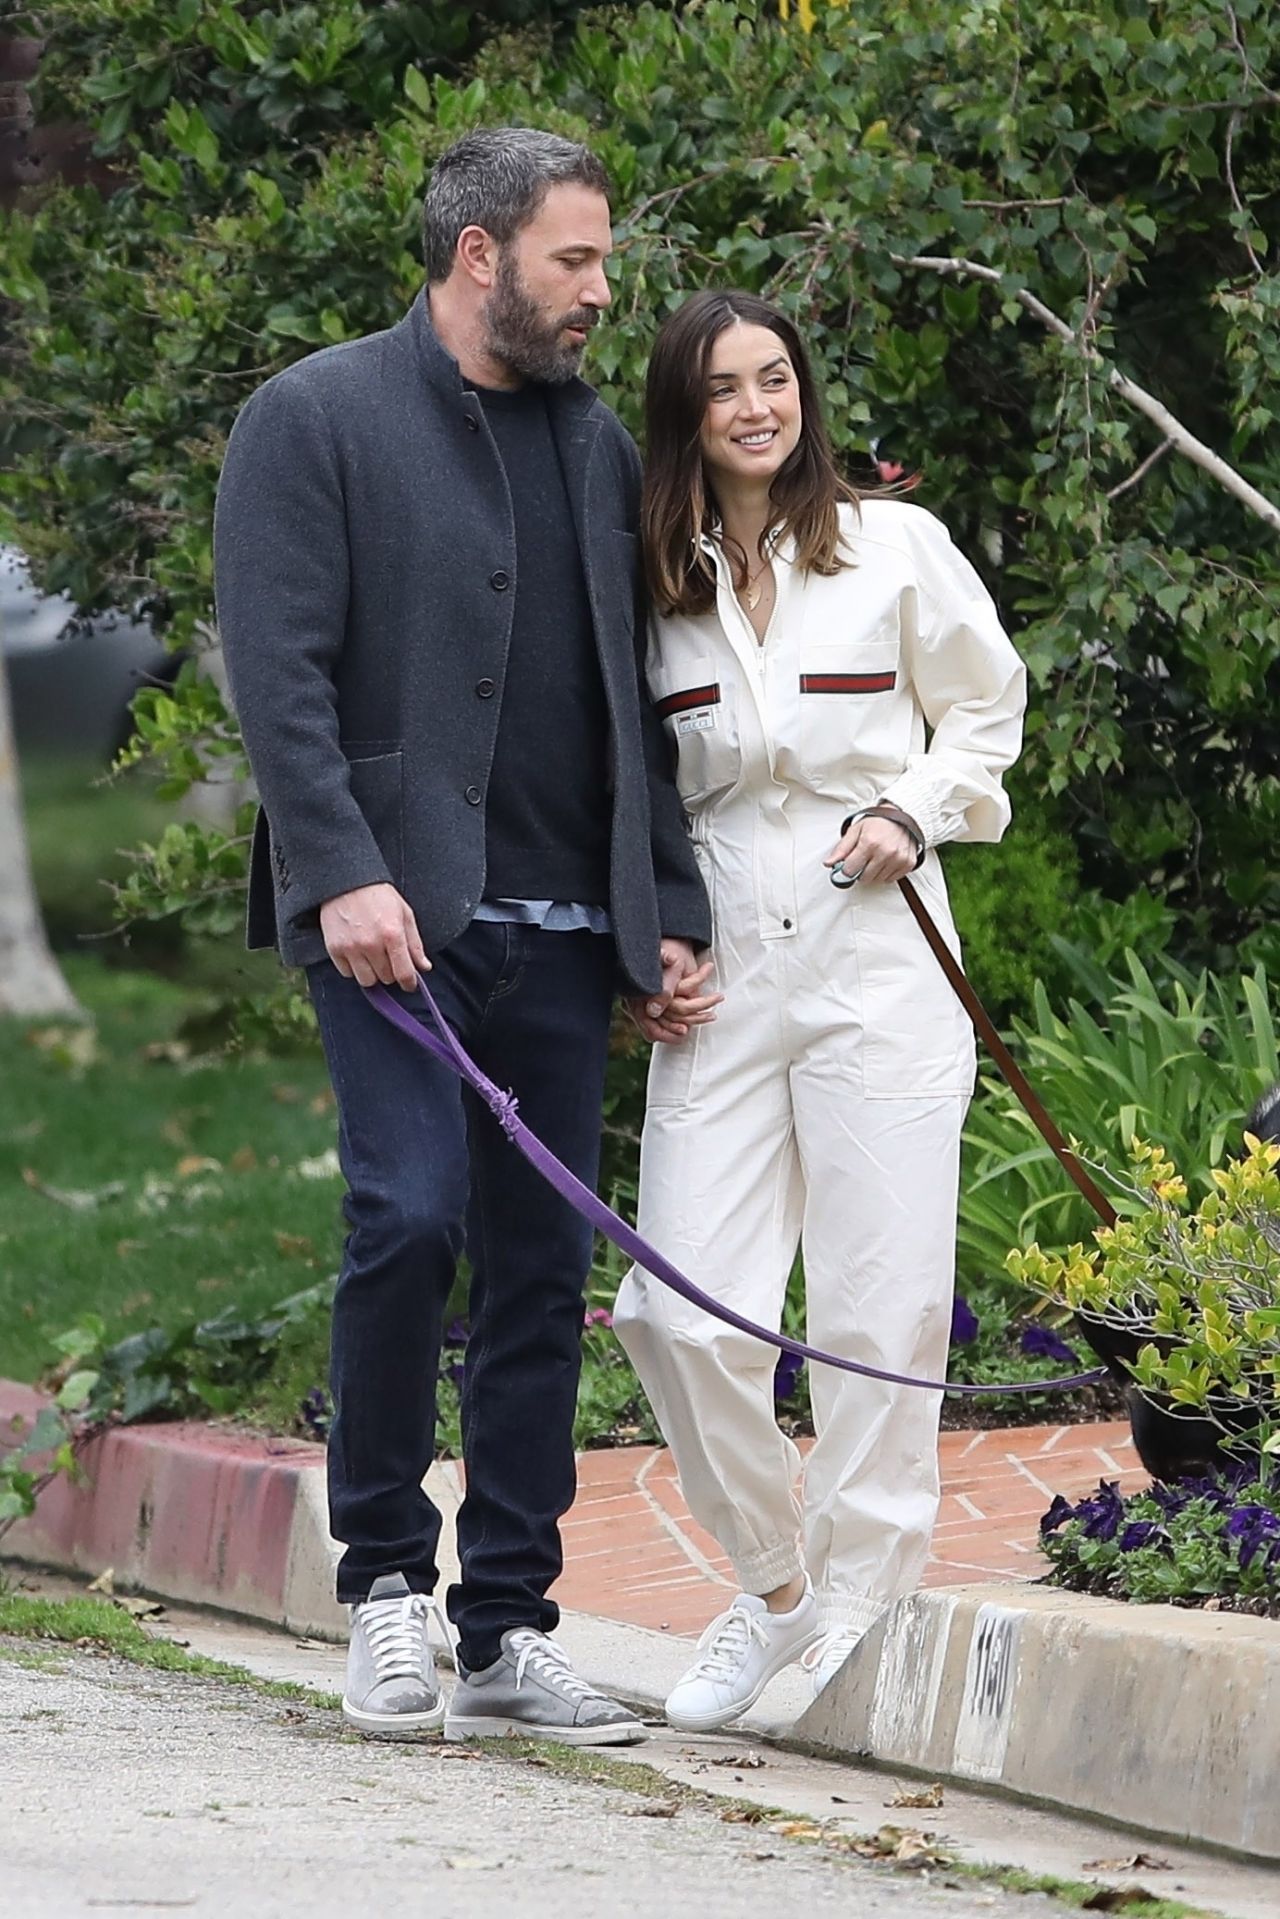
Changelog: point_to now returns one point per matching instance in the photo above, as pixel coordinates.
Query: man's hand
(668, 1015)
(372, 937)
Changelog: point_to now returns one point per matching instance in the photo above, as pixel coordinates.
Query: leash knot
(505, 1109)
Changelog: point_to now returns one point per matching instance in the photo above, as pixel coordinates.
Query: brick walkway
(632, 1553)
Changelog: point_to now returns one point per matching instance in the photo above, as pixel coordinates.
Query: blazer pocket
(377, 787)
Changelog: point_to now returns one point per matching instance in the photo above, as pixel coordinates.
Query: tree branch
(1140, 472)
(1173, 430)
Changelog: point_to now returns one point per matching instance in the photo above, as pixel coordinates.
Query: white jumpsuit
(824, 1104)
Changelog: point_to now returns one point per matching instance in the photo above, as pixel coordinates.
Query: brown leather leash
(1004, 1059)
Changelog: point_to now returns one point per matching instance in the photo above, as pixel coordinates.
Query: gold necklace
(752, 598)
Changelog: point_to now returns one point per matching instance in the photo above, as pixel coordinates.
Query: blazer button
(484, 689)
(474, 796)
(473, 425)
(499, 582)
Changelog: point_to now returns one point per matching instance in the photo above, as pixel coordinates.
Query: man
(429, 599)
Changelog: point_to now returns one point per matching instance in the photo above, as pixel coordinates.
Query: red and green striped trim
(848, 682)
(693, 696)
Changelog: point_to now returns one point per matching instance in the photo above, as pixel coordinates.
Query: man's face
(550, 288)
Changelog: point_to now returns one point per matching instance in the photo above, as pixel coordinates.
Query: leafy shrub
(1192, 1298)
(1010, 903)
(1216, 1538)
(1183, 1065)
(268, 165)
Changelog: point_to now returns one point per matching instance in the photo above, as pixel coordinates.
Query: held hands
(372, 937)
(668, 1016)
(874, 851)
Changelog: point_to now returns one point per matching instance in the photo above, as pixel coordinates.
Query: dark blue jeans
(428, 1171)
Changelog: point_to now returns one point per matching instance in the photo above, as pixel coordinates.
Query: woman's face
(753, 418)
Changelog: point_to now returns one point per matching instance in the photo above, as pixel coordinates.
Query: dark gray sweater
(365, 556)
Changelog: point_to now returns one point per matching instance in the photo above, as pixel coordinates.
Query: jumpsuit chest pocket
(844, 689)
(698, 706)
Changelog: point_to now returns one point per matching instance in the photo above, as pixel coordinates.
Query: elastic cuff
(916, 796)
(837, 1609)
(765, 1572)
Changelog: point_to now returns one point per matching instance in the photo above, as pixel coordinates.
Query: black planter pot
(1172, 1442)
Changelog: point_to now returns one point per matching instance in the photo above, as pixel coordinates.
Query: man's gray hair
(497, 178)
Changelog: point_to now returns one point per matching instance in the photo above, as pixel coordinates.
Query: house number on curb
(986, 1710)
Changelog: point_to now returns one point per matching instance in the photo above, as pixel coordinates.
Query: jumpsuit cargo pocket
(698, 709)
(843, 692)
(377, 787)
(918, 1041)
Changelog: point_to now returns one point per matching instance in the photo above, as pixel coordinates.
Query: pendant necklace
(751, 592)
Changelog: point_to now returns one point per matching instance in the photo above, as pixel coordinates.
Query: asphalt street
(125, 1789)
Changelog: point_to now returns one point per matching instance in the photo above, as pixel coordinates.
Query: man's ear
(477, 255)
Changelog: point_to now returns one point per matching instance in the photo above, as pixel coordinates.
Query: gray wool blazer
(365, 561)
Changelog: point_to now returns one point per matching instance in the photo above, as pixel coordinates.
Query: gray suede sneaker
(392, 1691)
(532, 1692)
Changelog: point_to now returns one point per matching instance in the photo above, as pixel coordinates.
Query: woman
(813, 657)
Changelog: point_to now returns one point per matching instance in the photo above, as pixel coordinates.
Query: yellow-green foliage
(1203, 1284)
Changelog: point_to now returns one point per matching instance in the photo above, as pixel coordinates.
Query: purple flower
(964, 1322)
(1102, 1514)
(457, 1372)
(786, 1375)
(456, 1333)
(1170, 1499)
(1058, 1514)
(316, 1413)
(1139, 1533)
(1247, 1519)
(1042, 1342)
(598, 1316)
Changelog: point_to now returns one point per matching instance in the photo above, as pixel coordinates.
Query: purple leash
(444, 1045)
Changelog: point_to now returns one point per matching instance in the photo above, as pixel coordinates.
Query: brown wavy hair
(678, 507)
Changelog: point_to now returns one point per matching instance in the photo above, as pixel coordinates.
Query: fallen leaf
(323, 1166)
(1136, 1862)
(137, 1607)
(294, 1245)
(243, 1160)
(75, 1199)
(172, 1052)
(322, 1103)
(742, 1816)
(745, 1762)
(192, 1163)
(463, 1863)
(75, 1047)
(104, 1583)
(285, 1095)
(920, 1799)
(1116, 1898)
(796, 1829)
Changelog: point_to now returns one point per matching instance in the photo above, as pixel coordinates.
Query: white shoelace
(394, 1630)
(726, 1644)
(551, 1665)
(831, 1650)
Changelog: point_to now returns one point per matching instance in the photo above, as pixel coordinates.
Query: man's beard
(520, 336)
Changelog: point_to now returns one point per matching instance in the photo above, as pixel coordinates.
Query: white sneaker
(738, 1655)
(827, 1654)
(392, 1691)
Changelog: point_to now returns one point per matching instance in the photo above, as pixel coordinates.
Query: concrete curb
(1155, 1717)
(205, 1515)
(1160, 1719)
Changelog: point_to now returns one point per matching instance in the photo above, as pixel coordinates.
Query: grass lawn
(145, 1184)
